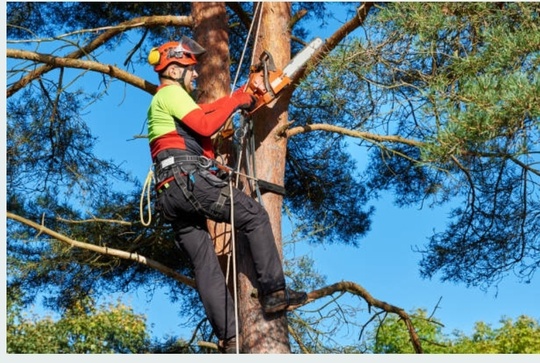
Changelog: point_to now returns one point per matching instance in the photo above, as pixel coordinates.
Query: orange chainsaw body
(266, 81)
(258, 87)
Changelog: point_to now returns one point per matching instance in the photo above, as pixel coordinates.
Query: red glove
(245, 101)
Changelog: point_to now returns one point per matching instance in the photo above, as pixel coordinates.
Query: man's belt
(205, 163)
(179, 159)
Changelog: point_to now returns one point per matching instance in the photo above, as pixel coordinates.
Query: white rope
(233, 251)
(146, 188)
(258, 10)
(245, 47)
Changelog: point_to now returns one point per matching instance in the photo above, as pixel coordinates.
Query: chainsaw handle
(266, 79)
(264, 58)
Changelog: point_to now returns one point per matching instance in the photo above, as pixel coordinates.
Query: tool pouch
(213, 178)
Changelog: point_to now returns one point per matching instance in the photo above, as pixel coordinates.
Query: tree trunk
(260, 335)
(211, 31)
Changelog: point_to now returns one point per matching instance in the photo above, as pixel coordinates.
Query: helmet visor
(189, 46)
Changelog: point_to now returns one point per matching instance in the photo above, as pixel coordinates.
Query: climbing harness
(190, 166)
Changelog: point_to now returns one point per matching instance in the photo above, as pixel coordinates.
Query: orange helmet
(183, 52)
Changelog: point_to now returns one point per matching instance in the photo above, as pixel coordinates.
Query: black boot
(227, 346)
(286, 299)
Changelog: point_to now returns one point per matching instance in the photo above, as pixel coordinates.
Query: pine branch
(58, 62)
(146, 21)
(356, 289)
(105, 250)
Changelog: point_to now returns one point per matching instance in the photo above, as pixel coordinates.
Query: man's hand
(246, 101)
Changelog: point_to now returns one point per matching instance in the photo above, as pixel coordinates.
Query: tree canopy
(521, 336)
(443, 99)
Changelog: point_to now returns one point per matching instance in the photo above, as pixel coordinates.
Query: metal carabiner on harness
(204, 162)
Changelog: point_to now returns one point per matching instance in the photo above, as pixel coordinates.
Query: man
(189, 192)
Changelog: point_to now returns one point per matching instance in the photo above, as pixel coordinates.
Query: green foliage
(521, 336)
(470, 75)
(83, 329)
(391, 335)
(326, 198)
(448, 96)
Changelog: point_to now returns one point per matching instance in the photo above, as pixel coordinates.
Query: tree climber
(190, 190)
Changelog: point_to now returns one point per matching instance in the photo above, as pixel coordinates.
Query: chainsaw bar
(302, 58)
(266, 81)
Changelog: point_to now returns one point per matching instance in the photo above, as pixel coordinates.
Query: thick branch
(105, 250)
(145, 21)
(335, 39)
(356, 289)
(348, 132)
(56, 62)
(286, 131)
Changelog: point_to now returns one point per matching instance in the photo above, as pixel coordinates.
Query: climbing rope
(147, 188)
(235, 282)
(257, 12)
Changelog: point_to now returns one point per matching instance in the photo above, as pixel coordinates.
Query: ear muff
(154, 56)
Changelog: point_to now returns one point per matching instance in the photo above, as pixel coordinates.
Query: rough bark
(211, 31)
(261, 334)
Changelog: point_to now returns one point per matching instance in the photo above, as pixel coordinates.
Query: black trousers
(191, 235)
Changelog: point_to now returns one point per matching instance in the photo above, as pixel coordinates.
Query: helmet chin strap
(181, 80)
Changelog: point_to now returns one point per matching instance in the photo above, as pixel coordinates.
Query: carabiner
(205, 162)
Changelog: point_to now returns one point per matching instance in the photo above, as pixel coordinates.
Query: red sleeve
(207, 119)
(209, 107)
(206, 124)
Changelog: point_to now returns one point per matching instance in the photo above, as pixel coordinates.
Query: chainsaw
(266, 81)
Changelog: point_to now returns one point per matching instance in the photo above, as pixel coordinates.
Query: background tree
(82, 329)
(512, 337)
(443, 98)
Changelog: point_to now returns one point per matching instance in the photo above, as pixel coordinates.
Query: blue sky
(384, 263)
